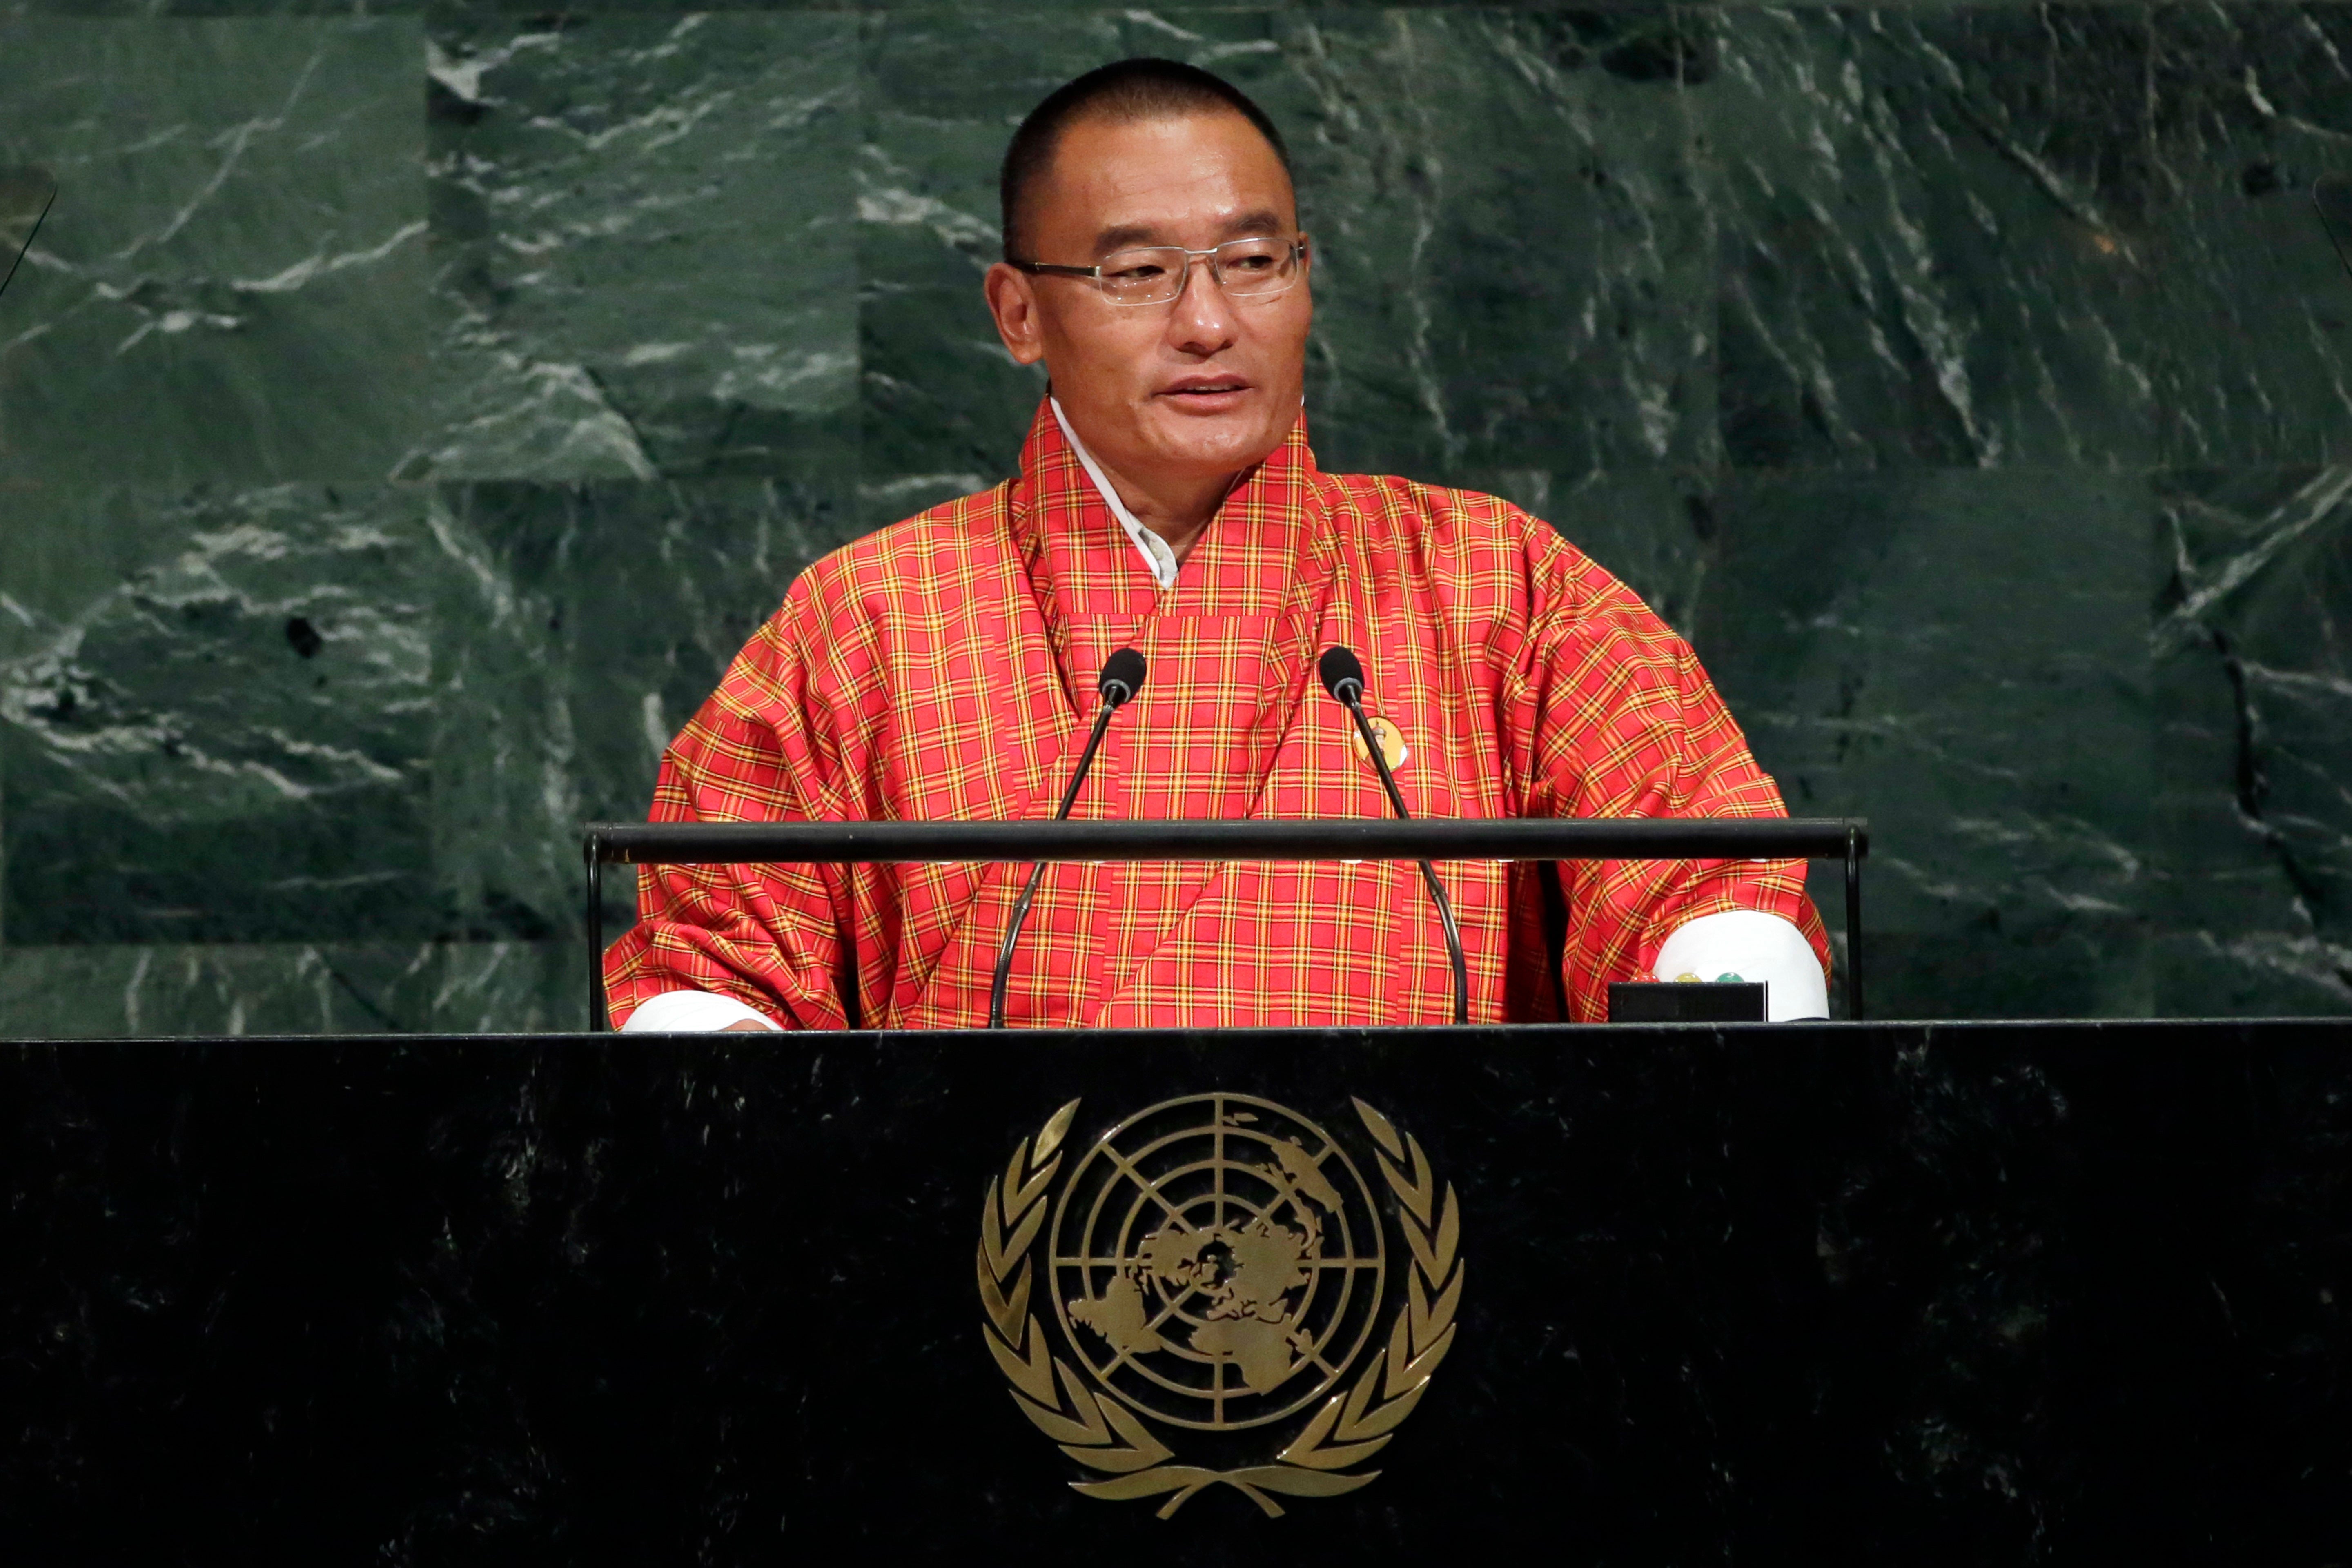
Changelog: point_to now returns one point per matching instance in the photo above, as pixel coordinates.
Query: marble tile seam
(442, 11)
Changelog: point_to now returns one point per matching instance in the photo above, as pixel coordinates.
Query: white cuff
(690, 1013)
(1752, 945)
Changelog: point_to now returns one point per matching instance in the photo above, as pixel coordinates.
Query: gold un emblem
(1219, 1270)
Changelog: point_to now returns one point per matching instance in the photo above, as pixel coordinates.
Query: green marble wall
(407, 410)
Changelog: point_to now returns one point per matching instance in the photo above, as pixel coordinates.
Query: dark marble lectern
(1890, 1293)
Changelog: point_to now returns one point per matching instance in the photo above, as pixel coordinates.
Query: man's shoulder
(845, 613)
(941, 547)
(1409, 505)
(1468, 532)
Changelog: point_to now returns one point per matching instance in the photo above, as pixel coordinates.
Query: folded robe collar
(1266, 528)
(1157, 556)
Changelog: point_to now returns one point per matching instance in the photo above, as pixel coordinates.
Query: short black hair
(1145, 88)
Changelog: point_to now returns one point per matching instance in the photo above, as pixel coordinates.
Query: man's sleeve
(1617, 718)
(761, 750)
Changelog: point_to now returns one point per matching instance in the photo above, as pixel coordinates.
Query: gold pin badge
(1392, 744)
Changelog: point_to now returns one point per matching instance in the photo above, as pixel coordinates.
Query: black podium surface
(1908, 1292)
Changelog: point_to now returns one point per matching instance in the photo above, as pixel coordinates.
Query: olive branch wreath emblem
(1102, 1433)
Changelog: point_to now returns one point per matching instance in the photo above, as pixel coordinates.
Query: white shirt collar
(1157, 556)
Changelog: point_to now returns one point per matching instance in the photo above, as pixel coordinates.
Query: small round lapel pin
(1392, 744)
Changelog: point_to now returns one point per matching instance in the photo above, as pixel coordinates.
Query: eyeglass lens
(1151, 274)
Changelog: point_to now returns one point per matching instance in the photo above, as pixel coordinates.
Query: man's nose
(1201, 320)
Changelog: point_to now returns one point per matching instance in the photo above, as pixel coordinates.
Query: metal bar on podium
(1137, 841)
(1857, 845)
(591, 849)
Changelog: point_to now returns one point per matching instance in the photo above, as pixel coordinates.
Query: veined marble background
(407, 410)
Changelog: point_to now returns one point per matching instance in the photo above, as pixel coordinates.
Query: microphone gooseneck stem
(1037, 872)
(1347, 695)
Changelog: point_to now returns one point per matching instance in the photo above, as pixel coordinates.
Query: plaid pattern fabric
(944, 668)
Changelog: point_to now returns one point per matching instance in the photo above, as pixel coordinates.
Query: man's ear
(1013, 301)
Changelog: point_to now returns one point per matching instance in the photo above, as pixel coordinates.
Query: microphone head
(1343, 674)
(1122, 677)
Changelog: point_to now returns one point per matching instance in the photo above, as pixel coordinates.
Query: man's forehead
(1133, 181)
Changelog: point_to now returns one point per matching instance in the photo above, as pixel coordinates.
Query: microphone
(1121, 679)
(1343, 677)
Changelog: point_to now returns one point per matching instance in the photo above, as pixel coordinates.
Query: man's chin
(1220, 440)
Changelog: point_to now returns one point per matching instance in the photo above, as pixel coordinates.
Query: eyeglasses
(1155, 274)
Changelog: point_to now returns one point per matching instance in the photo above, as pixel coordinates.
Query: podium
(1910, 1293)
(1536, 839)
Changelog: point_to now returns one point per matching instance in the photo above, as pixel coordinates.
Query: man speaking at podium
(1168, 502)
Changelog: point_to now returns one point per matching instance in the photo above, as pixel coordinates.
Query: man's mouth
(1206, 389)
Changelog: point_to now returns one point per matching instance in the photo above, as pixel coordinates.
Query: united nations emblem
(1218, 1267)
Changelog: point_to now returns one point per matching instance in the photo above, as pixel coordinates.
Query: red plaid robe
(944, 668)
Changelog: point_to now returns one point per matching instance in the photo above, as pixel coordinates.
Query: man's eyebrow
(1264, 221)
(1125, 234)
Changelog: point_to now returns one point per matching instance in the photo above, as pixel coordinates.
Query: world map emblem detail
(1220, 1268)
(1217, 1261)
